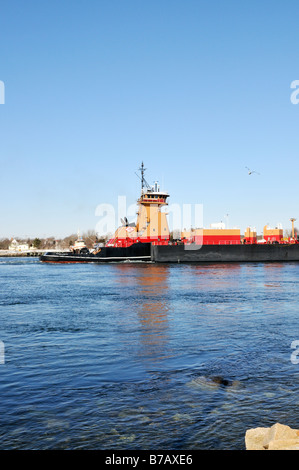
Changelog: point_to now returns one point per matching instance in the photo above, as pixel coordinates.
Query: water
(126, 356)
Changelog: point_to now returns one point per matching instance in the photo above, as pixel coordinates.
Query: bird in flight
(250, 171)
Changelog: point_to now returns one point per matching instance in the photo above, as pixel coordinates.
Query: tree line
(90, 237)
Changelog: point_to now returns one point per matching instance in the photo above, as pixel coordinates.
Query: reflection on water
(152, 305)
(152, 313)
(144, 356)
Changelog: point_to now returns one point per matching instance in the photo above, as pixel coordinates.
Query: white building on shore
(15, 246)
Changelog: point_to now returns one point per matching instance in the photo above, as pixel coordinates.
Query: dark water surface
(128, 356)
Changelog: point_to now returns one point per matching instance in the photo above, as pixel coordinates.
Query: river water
(145, 356)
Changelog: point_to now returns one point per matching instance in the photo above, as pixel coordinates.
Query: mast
(142, 170)
(144, 183)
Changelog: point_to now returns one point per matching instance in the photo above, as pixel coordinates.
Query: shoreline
(24, 254)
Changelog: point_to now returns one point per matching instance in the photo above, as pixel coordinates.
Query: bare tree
(4, 243)
(288, 232)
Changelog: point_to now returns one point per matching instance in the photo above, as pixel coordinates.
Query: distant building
(16, 246)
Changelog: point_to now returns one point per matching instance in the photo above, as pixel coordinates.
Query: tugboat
(149, 240)
(79, 246)
(131, 242)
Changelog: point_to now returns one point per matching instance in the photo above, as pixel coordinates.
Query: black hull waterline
(136, 252)
(225, 253)
(182, 254)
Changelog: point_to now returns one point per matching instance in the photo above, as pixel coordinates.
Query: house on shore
(16, 246)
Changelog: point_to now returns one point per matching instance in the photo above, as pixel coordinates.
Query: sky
(197, 90)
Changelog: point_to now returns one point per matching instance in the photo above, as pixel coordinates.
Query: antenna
(143, 180)
(142, 170)
(227, 220)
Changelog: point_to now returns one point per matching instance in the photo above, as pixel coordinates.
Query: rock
(279, 432)
(217, 379)
(213, 382)
(204, 383)
(254, 438)
(277, 437)
(281, 444)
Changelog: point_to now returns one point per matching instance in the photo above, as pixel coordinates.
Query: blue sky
(198, 90)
